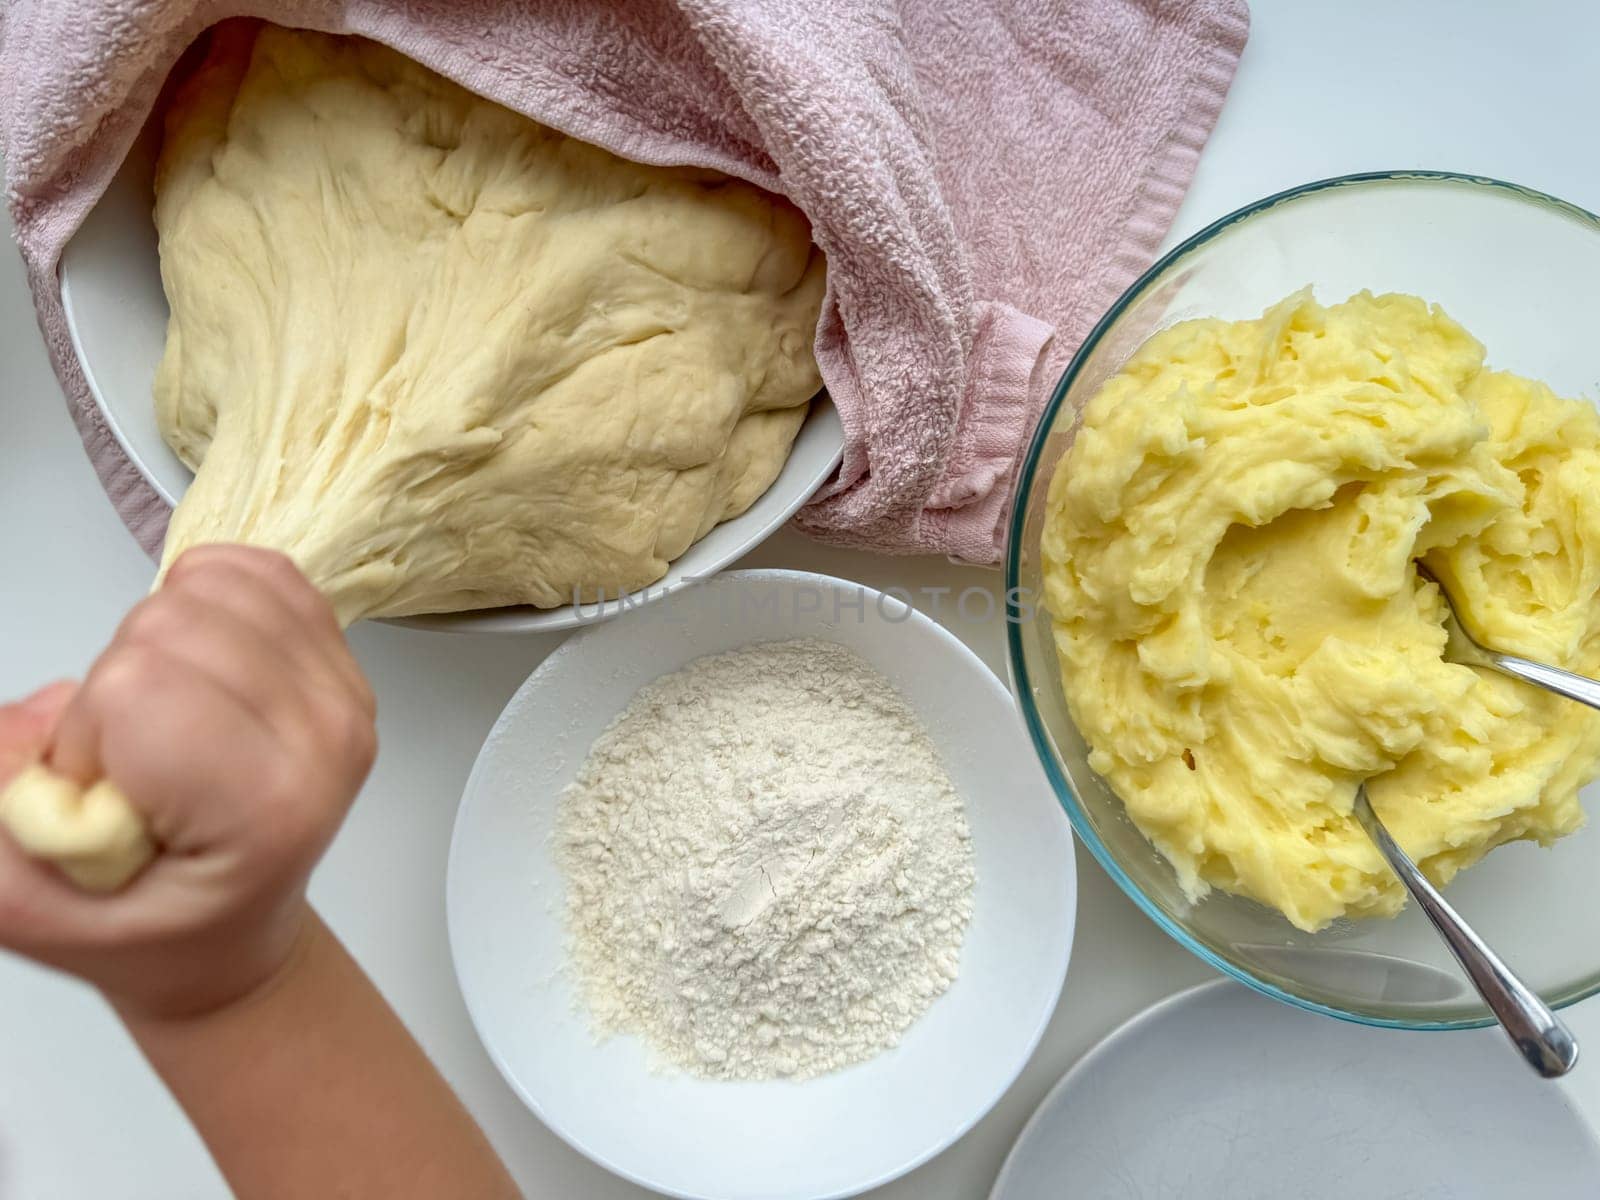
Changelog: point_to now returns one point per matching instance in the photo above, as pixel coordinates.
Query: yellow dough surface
(93, 835)
(1243, 636)
(447, 358)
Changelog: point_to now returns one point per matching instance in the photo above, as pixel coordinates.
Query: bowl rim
(1021, 685)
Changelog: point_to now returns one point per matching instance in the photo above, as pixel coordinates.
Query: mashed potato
(1243, 637)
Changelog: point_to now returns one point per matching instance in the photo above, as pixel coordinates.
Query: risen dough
(1243, 637)
(448, 358)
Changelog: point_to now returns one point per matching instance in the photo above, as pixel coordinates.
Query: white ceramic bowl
(1219, 1092)
(117, 318)
(830, 1136)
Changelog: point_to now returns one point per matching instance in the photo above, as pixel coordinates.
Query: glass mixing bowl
(1521, 271)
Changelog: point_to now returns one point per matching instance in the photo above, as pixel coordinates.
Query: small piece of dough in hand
(95, 836)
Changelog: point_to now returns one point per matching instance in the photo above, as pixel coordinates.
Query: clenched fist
(230, 713)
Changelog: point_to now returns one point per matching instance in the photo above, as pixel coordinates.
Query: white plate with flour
(831, 1135)
(1218, 1091)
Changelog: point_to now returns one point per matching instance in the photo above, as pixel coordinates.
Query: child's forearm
(230, 713)
(312, 1087)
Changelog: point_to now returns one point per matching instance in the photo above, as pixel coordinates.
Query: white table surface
(1470, 85)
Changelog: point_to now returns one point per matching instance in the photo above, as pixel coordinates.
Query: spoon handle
(1574, 687)
(1545, 1042)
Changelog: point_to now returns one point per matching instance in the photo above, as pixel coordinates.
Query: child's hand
(231, 713)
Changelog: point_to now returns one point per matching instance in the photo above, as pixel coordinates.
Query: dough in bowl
(447, 358)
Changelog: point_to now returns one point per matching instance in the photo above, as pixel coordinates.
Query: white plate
(1220, 1092)
(830, 1136)
(117, 319)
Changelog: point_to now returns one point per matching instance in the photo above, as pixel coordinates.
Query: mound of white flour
(768, 869)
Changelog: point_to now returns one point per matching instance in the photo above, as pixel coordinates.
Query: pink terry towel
(984, 177)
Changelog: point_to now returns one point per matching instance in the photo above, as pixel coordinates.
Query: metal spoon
(1465, 649)
(1538, 1033)
(1546, 1043)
